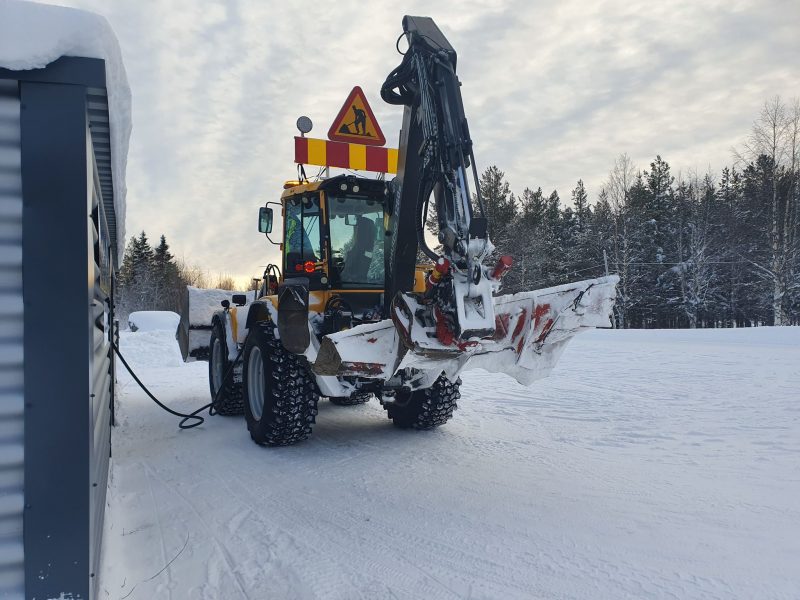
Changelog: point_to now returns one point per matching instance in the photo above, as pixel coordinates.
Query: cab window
(357, 240)
(301, 234)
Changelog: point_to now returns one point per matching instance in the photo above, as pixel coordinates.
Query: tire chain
(294, 394)
(231, 400)
(351, 400)
(433, 406)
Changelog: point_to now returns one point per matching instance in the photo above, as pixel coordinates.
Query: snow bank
(151, 349)
(154, 320)
(34, 35)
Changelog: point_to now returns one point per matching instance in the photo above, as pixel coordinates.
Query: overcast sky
(553, 91)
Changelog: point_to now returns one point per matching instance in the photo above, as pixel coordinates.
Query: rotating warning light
(309, 266)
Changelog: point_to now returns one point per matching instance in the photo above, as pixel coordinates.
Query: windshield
(357, 239)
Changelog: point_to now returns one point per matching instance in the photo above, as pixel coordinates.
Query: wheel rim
(255, 383)
(217, 364)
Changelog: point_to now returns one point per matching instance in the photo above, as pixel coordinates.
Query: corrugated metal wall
(101, 364)
(12, 573)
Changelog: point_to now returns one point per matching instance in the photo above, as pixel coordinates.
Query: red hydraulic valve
(503, 266)
(440, 269)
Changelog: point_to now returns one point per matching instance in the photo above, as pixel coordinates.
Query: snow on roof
(34, 35)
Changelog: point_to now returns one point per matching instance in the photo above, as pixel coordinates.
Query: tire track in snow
(160, 528)
(304, 548)
(223, 550)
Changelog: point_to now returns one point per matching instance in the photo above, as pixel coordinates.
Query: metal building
(58, 259)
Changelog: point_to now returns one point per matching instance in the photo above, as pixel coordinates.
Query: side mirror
(265, 219)
(239, 299)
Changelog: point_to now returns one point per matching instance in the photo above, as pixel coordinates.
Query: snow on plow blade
(531, 331)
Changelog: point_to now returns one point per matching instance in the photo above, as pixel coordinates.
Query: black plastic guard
(293, 315)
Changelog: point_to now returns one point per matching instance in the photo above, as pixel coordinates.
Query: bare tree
(225, 282)
(791, 219)
(775, 135)
(618, 188)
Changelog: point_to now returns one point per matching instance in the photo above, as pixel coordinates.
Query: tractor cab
(333, 239)
(333, 233)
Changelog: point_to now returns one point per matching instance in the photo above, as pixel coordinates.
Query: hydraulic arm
(436, 159)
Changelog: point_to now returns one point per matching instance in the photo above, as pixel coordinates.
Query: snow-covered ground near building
(153, 320)
(651, 464)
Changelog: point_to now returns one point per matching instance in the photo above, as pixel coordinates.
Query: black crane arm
(435, 158)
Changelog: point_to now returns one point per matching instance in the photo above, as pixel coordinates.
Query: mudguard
(293, 315)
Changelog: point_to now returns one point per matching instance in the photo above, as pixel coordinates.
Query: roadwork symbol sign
(356, 123)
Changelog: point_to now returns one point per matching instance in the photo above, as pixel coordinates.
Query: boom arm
(456, 322)
(435, 157)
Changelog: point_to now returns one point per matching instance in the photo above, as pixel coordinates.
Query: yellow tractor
(348, 314)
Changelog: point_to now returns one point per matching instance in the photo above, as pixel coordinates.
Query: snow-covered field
(652, 464)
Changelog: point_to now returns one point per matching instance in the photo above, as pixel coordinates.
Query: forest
(694, 250)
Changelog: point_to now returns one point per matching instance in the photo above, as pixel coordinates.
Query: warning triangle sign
(356, 123)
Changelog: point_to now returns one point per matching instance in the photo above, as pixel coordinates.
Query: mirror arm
(267, 234)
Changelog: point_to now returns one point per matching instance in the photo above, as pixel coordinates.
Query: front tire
(230, 401)
(428, 408)
(280, 395)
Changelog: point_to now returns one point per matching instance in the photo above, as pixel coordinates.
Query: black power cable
(195, 416)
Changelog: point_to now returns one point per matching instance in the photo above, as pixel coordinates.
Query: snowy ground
(652, 464)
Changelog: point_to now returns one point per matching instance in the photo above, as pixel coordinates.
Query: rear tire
(351, 400)
(231, 400)
(428, 408)
(280, 394)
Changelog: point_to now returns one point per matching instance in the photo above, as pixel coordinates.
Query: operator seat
(359, 257)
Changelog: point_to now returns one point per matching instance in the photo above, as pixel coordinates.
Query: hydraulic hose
(421, 212)
(190, 420)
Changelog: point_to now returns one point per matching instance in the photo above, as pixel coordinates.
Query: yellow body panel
(307, 186)
(419, 280)
(317, 299)
(234, 323)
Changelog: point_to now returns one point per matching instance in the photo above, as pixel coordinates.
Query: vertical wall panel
(100, 365)
(58, 425)
(12, 572)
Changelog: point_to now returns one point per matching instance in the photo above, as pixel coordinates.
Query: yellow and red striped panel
(310, 151)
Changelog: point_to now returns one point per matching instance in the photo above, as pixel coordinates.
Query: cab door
(303, 254)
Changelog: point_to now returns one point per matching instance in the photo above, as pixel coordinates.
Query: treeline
(152, 279)
(696, 250)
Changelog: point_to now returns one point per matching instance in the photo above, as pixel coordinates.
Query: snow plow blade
(197, 310)
(531, 331)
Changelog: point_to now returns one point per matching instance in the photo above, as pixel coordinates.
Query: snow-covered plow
(197, 312)
(531, 332)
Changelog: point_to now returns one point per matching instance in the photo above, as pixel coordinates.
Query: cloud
(553, 92)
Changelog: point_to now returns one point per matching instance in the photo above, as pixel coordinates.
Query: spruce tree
(580, 203)
(499, 204)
